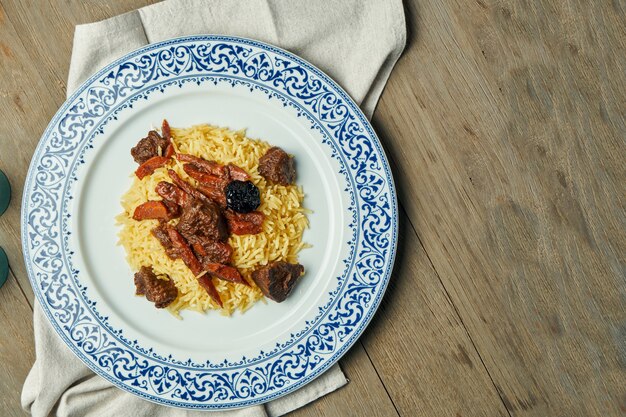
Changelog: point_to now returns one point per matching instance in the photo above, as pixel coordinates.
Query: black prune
(242, 196)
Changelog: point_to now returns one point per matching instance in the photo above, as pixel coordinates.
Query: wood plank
(17, 349)
(36, 21)
(506, 122)
(420, 347)
(25, 101)
(365, 395)
(37, 63)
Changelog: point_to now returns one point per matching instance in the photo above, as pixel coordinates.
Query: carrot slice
(202, 177)
(216, 251)
(237, 173)
(186, 187)
(172, 193)
(186, 254)
(225, 272)
(210, 167)
(244, 223)
(206, 283)
(169, 151)
(150, 165)
(218, 196)
(151, 210)
(165, 130)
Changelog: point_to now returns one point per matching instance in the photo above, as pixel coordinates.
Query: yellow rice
(281, 238)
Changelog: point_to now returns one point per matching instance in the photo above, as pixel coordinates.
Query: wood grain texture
(506, 128)
(365, 395)
(16, 346)
(505, 120)
(34, 67)
(23, 94)
(420, 347)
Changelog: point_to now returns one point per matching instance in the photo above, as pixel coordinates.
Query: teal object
(5, 192)
(4, 267)
(5, 198)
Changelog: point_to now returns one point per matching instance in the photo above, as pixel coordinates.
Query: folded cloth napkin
(357, 43)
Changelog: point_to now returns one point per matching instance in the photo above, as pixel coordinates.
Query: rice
(281, 238)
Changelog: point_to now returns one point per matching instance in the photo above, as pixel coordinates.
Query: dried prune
(242, 196)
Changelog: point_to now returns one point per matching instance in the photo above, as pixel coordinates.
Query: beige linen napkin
(355, 42)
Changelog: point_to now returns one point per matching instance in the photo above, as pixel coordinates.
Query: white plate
(81, 169)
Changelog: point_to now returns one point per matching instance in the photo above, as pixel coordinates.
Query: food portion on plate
(212, 220)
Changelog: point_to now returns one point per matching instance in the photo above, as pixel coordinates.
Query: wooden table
(505, 125)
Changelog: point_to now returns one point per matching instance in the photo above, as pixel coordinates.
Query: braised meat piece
(215, 194)
(160, 232)
(202, 220)
(226, 273)
(277, 166)
(176, 247)
(186, 187)
(167, 135)
(236, 173)
(144, 150)
(173, 194)
(213, 178)
(183, 250)
(244, 223)
(212, 251)
(206, 282)
(161, 292)
(276, 279)
(210, 185)
(228, 172)
(209, 167)
(149, 147)
(159, 141)
(166, 131)
(195, 172)
(173, 209)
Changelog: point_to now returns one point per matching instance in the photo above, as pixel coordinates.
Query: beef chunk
(209, 167)
(149, 147)
(195, 172)
(277, 166)
(236, 173)
(217, 195)
(212, 251)
(176, 247)
(161, 292)
(245, 223)
(144, 150)
(277, 279)
(184, 250)
(172, 194)
(202, 220)
(160, 233)
(173, 209)
(186, 187)
(226, 273)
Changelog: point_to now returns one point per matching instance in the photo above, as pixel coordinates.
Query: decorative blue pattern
(209, 60)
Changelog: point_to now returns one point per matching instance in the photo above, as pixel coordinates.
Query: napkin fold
(357, 43)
